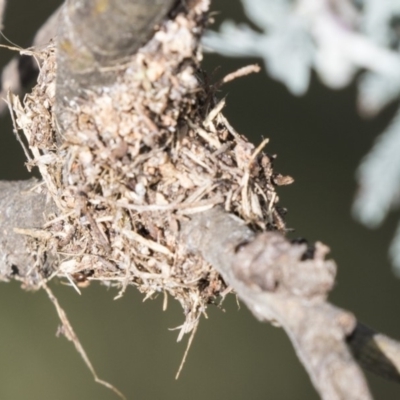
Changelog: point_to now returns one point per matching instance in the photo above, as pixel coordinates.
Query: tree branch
(23, 205)
(94, 37)
(144, 159)
(271, 277)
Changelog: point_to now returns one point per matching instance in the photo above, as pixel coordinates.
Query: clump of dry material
(137, 158)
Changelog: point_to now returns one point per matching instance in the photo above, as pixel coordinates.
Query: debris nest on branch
(132, 162)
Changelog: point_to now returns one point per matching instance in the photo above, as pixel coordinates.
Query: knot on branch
(274, 264)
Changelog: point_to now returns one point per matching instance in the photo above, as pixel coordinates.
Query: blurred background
(320, 140)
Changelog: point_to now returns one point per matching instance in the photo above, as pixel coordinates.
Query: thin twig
(67, 330)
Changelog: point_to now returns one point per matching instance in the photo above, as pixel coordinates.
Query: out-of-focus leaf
(375, 91)
(379, 177)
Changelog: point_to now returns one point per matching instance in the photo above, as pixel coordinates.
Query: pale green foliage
(337, 40)
(286, 43)
(379, 177)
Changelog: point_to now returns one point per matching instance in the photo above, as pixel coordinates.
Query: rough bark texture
(271, 277)
(136, 178)
(23, 206)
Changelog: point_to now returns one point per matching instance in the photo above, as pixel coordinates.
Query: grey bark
(272, 276)
(318, 330)
(269, 276)
(94, 37)
(23, 207)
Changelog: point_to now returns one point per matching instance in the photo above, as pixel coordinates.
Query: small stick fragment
(189, 344)
(249, 69)
(69, 333)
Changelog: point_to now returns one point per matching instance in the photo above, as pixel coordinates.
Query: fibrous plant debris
(136, 159)
(138, 174)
